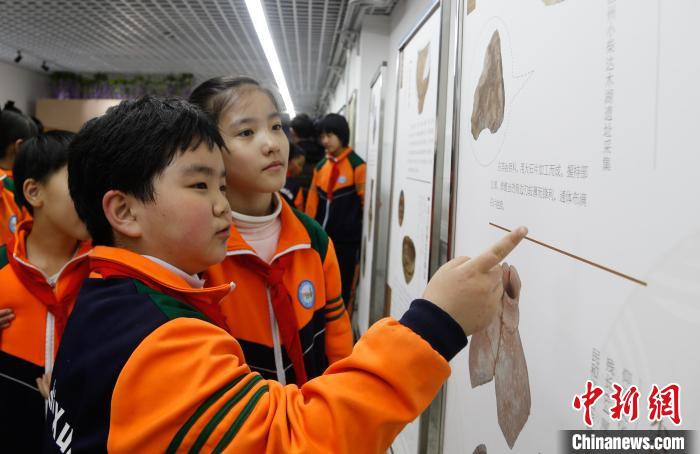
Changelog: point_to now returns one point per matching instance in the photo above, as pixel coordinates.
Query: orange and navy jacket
(142, 368)
(312, 280)
(293, 192)
(28, 345)
(337, 194)
(10, 213)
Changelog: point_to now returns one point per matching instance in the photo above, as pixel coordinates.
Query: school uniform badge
(342, 179)
(306, 294)
(12, 223)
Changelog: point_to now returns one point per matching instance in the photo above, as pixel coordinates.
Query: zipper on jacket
(328, 210)
(276, 344)
(50, 331)
(49, 347)
(50, 320)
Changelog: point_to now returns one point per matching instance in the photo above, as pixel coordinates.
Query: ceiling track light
(44, 66)
(257, 13)
(18, 58)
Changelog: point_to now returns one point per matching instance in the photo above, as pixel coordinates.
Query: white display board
(371, 211)
(579, 119)
(412, 186)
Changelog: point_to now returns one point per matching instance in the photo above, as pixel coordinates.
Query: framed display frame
(568, 278)
(373, 253)
(424, 435)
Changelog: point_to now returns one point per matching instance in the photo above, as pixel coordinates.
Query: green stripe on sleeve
(180, 435)
(236, 426)
(335, 317)
(329, 310)
(334, 300)
(223, 411)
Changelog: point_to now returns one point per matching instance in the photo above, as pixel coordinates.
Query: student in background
(287, 311)
(146, 365)
(304, 135)
(336, 197)
(41, 270)
(293, 191)
(15, 128)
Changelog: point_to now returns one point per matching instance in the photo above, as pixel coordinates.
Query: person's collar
(293, 235)
(343, 154)
(18, 247)
(192, 279)
(260, 220)
(119, 262)
(113, 262)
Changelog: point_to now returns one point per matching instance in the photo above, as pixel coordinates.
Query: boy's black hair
(336, 124)
(14, 126)
(303, 126)
(39, 158)
(126, 149)
(216, 94)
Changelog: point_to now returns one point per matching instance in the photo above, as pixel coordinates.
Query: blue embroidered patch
(306, 294)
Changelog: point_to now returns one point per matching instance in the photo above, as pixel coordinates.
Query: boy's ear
(33, 193)
(14, 147)
(118, 209)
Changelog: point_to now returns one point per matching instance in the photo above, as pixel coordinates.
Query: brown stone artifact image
(481, 449)
(497, 351)
(471, 5)
(408, 258)
(490, 97)
(483, 350)
(422, 75)
(401, 207)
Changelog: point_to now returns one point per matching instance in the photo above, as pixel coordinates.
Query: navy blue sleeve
(436, 326)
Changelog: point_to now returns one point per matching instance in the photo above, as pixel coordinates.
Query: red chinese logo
(665, 403)
(625, 404)
(587, 400)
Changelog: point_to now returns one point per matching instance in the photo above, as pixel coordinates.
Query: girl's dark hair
(216, 94)
(14, 126)
(39, 158)
(335, 124)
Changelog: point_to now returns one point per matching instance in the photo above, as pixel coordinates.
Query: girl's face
(331, 143)
(258, 147)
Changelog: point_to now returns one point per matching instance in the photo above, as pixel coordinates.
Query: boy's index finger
(499, 250)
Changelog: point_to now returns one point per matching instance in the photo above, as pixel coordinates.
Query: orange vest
(169, 380)
(27, 347)
(312, 280)
(32, 335)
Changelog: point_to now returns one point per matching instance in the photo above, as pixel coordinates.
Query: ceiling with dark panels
(204, 37)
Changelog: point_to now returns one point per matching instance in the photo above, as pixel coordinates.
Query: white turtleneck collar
(262, 233)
